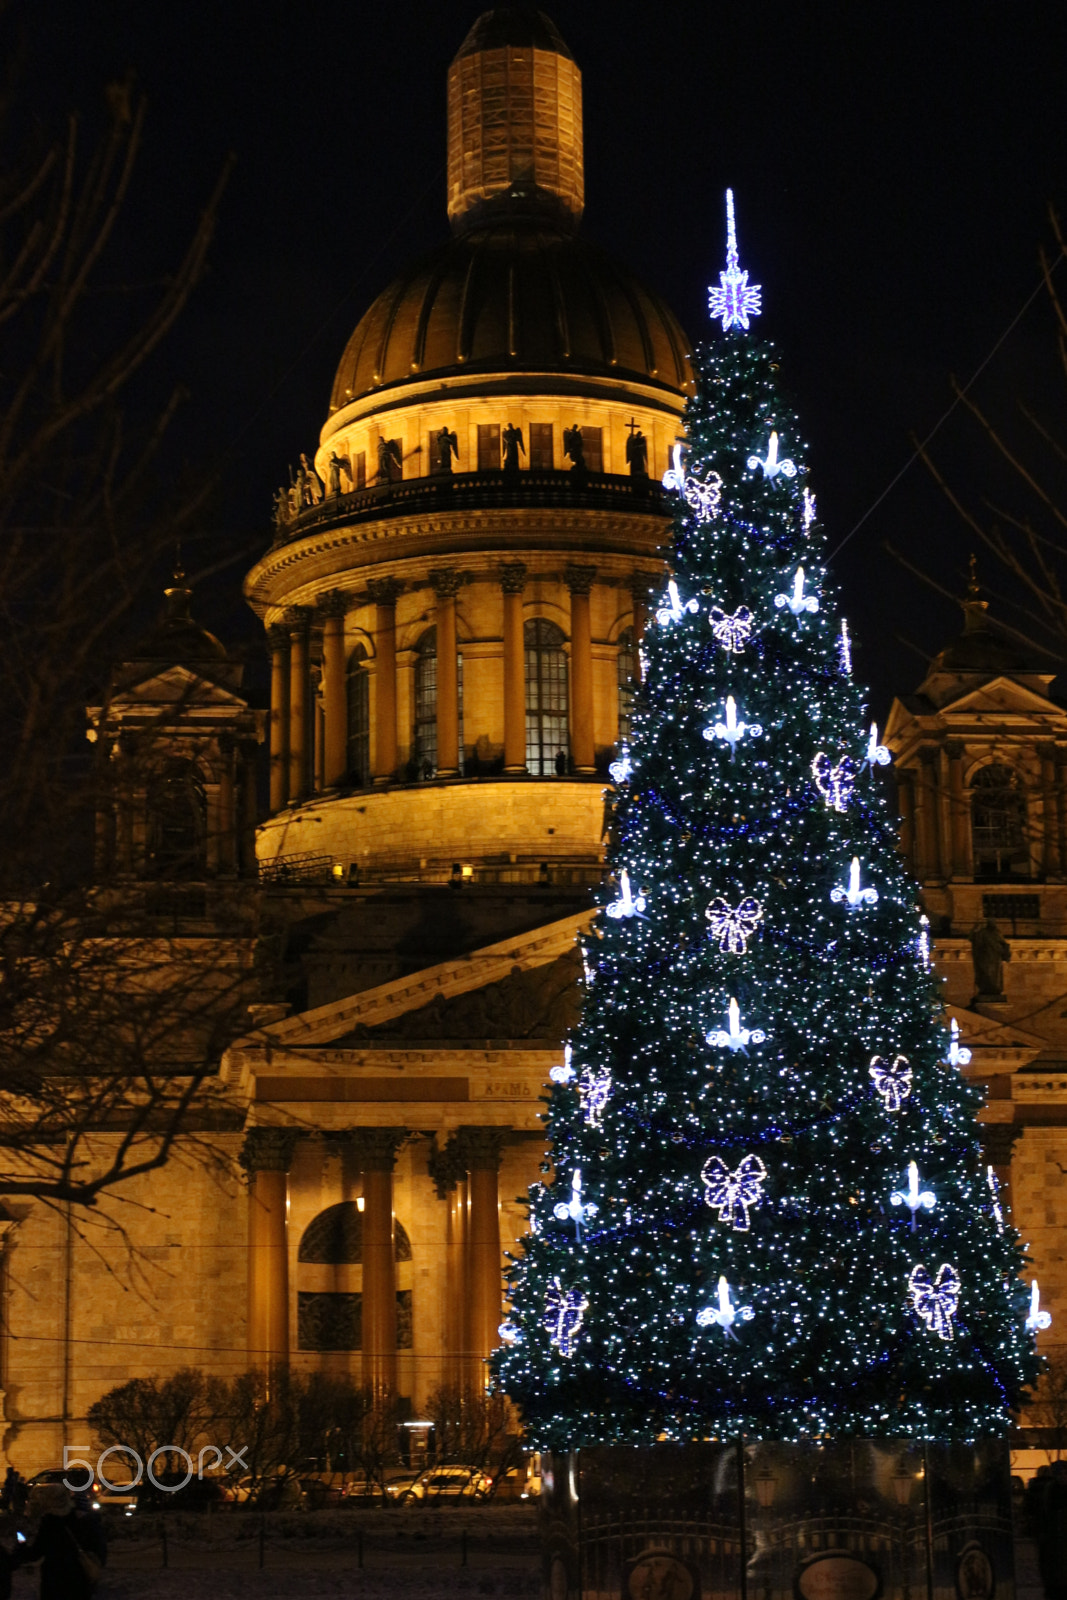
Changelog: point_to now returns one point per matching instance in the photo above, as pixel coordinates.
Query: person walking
(66, 1545)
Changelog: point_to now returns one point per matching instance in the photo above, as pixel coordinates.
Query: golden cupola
(459, 577)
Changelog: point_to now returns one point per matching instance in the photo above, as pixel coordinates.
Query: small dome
(513, 27)
(178, 637)
(514, 297)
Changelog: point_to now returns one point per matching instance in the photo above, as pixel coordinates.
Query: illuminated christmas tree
(769, 1212)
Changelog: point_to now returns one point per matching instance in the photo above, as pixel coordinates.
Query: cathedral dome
(513, 297)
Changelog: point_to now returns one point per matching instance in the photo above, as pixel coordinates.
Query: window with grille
(488, 446)
(998, 824)
(1011, 908)
(425, 751)
(541, 451)
(547, 743)
(358, 687)
(593, 449)
(625, 662)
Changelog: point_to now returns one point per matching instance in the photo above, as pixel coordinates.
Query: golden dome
(514, 297)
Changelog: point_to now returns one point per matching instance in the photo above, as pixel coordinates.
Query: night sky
(892, 166)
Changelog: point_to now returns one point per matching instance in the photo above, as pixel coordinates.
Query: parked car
(401, 1485)
(452, 1483)
(95, 1496)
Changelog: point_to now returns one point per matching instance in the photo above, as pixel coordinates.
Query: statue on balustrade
(313, 490)
(334, 468)
(283, 509)
(637, 452)
(511, 439)
(990, 950)
(298, 490)
(447, 448)
(574, 447)
(390, 460)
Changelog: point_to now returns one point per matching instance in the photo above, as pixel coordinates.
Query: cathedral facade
(453, 601)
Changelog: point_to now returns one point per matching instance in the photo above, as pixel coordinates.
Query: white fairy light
(733, 926)
(891, 1081)
(595, 1091)
(994, 1190)
(732, 1193)
(1037, 1319)
(914, 1196)
(844, 650)
(851, 893)
(732, 631)
(797, 601)
(725, 1314)
(924, 941)
(735, 300)
(958, 1054)
(628, 904)
(935, 1302)
(772, 466)
(730, 730)
(676, 607)
(809, 509)
(734, 1037)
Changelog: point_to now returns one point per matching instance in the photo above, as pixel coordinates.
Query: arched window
(547, 744)
(177, 823)
(625, 662)
(335, 1237)
(998, 824)
(358, 688)
(425, 747)
(331, 1319)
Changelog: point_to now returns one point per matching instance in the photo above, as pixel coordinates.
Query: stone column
(298, 620)
(335, 708)
(375, 1150)
(480, 1150)
(639, 592)
(512, 582)
(384, 592)
(579, 581)
(906, 812)
(279, 717)
(249, 753)
(445, 586)
(266, 1157)
(450, 1181)
(959, 832)
(226, 840)
(1051, 808)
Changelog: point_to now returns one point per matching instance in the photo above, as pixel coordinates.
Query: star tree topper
(735, 300)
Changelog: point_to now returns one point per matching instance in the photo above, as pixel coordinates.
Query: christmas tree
(768, 1211)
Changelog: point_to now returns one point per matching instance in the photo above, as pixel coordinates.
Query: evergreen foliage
(733, 1261)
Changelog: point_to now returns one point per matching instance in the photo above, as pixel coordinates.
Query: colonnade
(307, 751)
(465, 1173)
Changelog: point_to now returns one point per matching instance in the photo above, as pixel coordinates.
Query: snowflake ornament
(773, 467)
(676, 607)
(733, 1036)
(734, 1192)
(834, 783)
(565, 1311)
(797, 601)
(735, 300)
(892, 1082)
(628, 904)
(935, 1302)
(730, 730)
(733, 926)
(725, 1314)
(732, 632)
(703, 498)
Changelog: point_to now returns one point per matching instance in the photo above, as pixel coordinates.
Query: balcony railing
(467, 491)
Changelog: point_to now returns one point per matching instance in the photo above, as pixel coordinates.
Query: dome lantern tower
(514, 121)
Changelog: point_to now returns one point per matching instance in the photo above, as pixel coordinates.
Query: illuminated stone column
(384, 592)
(375, 1151)
(583, 752)
(513, 582)
(450, 1181)
(959, 831)
(335, 709)
(279, 717)
(446, 586)
(266, 1157)
(298, 621)
(480, 1150)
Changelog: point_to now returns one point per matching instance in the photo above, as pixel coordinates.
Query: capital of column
(477, 1149)
(334, 603)
(445, 1167)
(374, 1149)
(579, 580)
(513, 577)
(446, 583)
(278, 637)
(385, 591)
(640, 587)
(268, 1149)
(298, 619)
